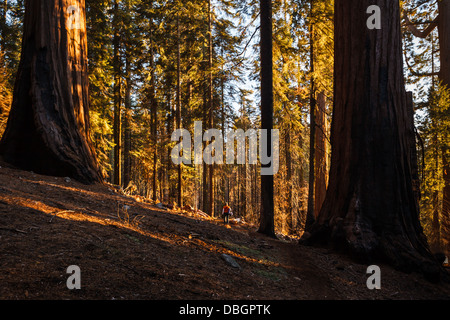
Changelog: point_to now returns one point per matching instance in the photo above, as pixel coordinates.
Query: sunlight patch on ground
(122, 222)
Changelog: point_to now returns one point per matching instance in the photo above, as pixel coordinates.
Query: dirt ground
(127, 248)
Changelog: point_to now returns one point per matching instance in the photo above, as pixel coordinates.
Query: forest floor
(127, 248)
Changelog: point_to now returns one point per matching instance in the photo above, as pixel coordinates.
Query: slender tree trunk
(117, 127)
(267, 224)
(445, 225)
(154, 114)
(127, 128)
(225, 169)
(302, 213)
(370, 206)
(205, 167)
(210, 106)
(48, 127)
(435, 239)
(178, 114)
(321, 177)
(239, 191)
(171, 124)
(289, 176)
(413, 146)
(245, 204)
(310, 216)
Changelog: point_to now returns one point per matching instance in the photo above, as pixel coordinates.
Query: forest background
(155, 66)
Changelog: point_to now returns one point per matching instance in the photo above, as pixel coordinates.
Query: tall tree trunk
(435, 238)
(445, 224)
(48, 127)
(370, 206)
(310, 217)
(127, 128)
(320, 183)
(302, 215)
(267, 224)
(444, 76)
(204, 199)
(210, 106)
(205, 167)
(290, 223)
(126, 178)
(178, 114)
(245, 204)
(117, 126)
(411, 131)
(171, 124)
(154, 114)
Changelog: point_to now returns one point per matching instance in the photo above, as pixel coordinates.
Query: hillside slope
(127, 248)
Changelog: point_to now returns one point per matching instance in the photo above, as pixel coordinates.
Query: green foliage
(11, 18)
(100, 80)
(421, 55)
(434, 128)
(148, 41)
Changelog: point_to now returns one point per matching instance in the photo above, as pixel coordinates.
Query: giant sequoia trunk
(370, 206)
(444, 76)
(48, 127)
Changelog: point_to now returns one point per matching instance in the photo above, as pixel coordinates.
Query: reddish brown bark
(444, 76)
(48, 127)
(370, 206)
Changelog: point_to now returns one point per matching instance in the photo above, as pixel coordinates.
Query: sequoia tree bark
(444, 77)
(48, 127)
(370, 207)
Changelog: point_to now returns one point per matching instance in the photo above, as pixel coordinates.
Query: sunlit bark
(370, 207)
(48, 127)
